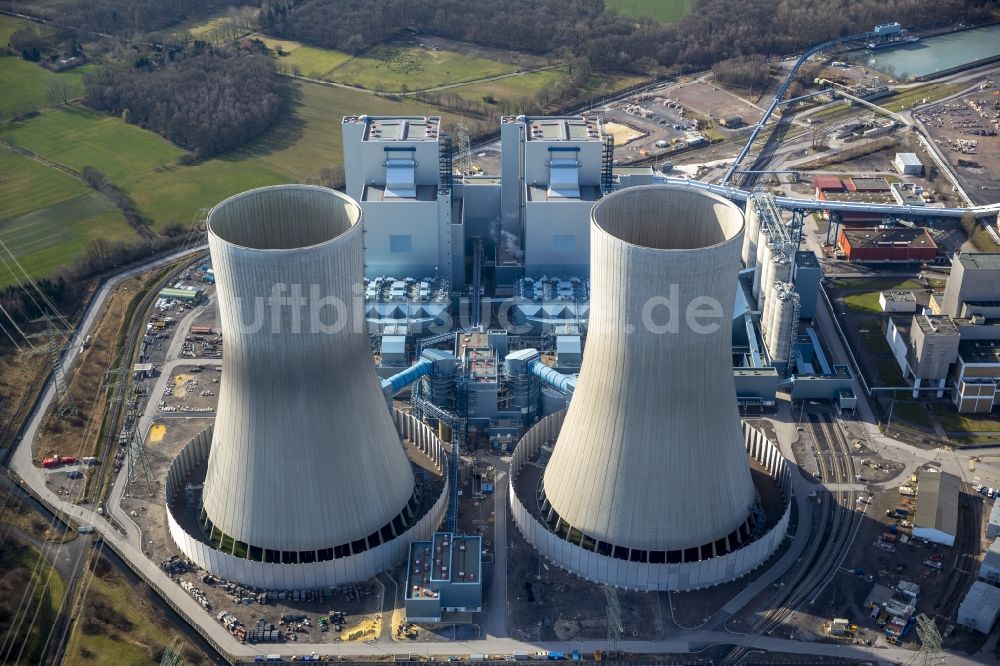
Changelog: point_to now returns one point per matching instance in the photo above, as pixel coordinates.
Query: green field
(310, 139)
(24, 566)
(914, 412)
(306, 60)
(49, 217)
(952, 421)
(25, 84)
(143, 164)
(518, 87)
(118, 625)
(9, 24)
(391, 67)
(665, 11)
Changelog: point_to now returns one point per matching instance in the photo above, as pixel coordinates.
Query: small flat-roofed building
(908, 194)
(993, 527)
(989, 570)
(887, 245)
(828, 184)
(182, 295)
(974, 278)
(980, 608)
(867, 184)
(908, 164)
(897, 300)
(443, 575)
(936, 516)
(977, 376)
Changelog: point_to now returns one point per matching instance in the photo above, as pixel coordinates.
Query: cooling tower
(650, 461)
(305, 459)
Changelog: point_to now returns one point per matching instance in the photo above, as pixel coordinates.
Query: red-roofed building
(895, 244)
(827, 184)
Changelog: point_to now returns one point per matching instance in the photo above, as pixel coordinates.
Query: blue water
(936, 53)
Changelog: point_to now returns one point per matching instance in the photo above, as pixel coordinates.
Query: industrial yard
(967, 131)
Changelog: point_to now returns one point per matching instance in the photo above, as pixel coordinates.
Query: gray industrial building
(993, 526)
(980, 608)
(444, 574)
(929, 351)
(973, 286)
(936, 515)
(989, 570)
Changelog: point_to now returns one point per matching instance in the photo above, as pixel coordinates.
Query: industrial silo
(650, 462)
(306, 463)
(784, 321)
(750, 234)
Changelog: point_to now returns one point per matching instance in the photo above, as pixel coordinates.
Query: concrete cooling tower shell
(304, 455)
(651, 456)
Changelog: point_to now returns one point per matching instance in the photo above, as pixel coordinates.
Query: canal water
(935, 54)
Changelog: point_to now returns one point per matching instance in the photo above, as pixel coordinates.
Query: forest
(714, 30)
(206, 100)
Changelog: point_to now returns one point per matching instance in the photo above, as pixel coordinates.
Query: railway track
(831, 540)
(965, 565)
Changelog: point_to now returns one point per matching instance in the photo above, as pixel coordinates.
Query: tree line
(714, 30)
(208, 100)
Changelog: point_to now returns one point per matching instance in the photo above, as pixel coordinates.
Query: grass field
(25, 84)
(310, 139)
(119, 626)
(914, 412)
(9, 24)
(23, 564)
(307, 60)
(143, 163)
(952, 421)
(511, 88)
(392, 67)
(49, 217)
(664, 11)
(916, 96)
(514, 88)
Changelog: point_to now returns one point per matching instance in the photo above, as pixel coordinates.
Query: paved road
(495, 622)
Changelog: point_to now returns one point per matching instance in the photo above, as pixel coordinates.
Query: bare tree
(57, 91)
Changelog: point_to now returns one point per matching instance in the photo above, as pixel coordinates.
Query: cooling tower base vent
(352, 562)
(747, 548)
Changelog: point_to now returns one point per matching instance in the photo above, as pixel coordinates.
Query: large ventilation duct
(306, 463)
(650, 463)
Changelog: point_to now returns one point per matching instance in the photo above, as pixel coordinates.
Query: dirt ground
(546, 603)
(361, 604)
(191, 390)
(77, 435)
(966, 131)
(940, 590)
(710, 100)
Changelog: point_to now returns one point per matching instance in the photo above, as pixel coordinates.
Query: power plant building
(973, 287)
(644, 417)
(444, 574)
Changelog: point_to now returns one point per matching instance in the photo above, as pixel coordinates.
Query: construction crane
(464, 149)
